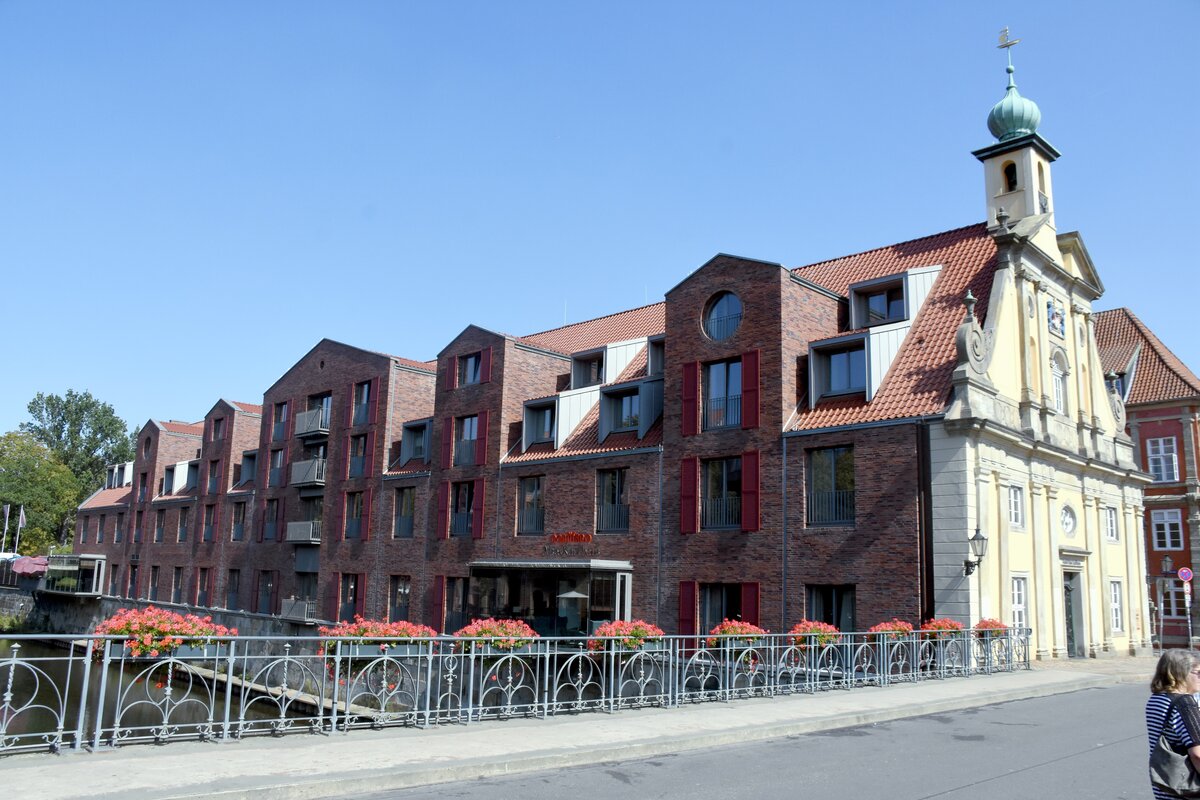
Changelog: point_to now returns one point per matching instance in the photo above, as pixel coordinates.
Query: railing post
(83, 693)
(98, 714)
(229, 659)
(337, 682)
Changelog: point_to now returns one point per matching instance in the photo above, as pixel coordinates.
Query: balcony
(309, 473)
(612, 517)
(404, 526)
(723, 412)
(464, 452)
(308, 532)
(313, 423)
(721, 512)
(358, 466)
(269, 531)
(831, 507)
(302, 610)
(208, 533)
(353, 527)
(721, 328)
(461, 523)
(532, 520)
(275, 477)
(362, 413)
(239, 532)
(279, 431)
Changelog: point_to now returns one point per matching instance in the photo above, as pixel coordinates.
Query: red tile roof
(414, 466)
(637, 368)
(108, 497)
(918, 382)
(1159, 375)
(189, 428)
(648, 320)
(249, 408)
(586, 441)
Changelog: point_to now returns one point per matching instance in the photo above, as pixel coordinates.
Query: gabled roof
(1160, 374)
(106, 498)
(249, 408)
(186, 428)
(918, 382)
(635, 323)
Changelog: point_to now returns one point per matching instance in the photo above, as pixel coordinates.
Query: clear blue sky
(193, 194)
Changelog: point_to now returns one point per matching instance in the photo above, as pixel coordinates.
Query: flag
(21, 519)
(6, 508)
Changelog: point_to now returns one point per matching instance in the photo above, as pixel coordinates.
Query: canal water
(47, 689)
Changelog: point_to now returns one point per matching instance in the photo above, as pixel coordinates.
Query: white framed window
(1161, 459)
(1116, 609)
(1171, 601)
(1059, 379)
(1016, 506)
(1020, 599)
(1168, 529)
(1110, 525)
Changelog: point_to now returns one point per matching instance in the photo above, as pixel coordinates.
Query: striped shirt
(1177, 730)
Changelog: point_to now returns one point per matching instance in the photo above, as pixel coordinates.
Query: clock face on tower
(1067, 519)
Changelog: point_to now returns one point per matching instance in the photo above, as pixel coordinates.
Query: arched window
(722, 316)
(1059, 369)
(1010, 177)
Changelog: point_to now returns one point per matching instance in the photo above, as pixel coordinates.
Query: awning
(586, 563)
(35, 565)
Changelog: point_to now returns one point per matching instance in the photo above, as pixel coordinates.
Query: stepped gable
(918, 382)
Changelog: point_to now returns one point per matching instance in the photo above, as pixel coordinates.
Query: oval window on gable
(722, 316)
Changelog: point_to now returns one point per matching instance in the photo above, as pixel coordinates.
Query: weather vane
(1006, 43)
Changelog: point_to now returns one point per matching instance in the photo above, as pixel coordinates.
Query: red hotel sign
(571, 537)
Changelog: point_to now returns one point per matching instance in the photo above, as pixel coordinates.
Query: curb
(373, 782)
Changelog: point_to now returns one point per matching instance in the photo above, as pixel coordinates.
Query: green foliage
(84, 433)
(30, 475)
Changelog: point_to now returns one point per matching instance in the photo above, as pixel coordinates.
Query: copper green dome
(1014, 115)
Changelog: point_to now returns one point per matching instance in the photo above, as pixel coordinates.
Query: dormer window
(587, 370)
(838, 367)
(626, 410)
(656, 357)
(413, 443)
(885, 306)
(539, 422)
(468, 369)
(878, 302)
(722, 316)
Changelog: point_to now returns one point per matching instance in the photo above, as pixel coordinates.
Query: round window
(722, 316)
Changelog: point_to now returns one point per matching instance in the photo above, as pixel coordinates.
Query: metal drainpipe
(783, 587)
(658, 570)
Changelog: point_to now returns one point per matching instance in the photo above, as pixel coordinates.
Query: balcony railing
(269, 531)
(183, 533)
(275, 477)
(309, 473)
(239, 531)
(464, 452)
(362, 413)
(313, 423)
(723, 412)
(404, 526)
(308, 532)
(460, 522)
(612, 517)
(358, 466)
(353, 527)
(214, 484)
(158, 534)
(533, 520)
(721, 512)
(829, 507)
(304, 610)
(208, 533)
(721, 328)
(279, 431)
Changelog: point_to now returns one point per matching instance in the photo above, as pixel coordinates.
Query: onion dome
(1014, 115)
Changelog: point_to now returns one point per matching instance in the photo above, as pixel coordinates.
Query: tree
(84, 433)
(31, 476)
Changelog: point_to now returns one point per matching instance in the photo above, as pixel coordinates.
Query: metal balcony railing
(612, 517)
(460, 523)
(309, 473)
(358, 465)
(214, 484)
(829, 507)
(721, 512)
(158, 534)
(239, 531)
(464, 452)
(308, 532)
(313, 423)
(721, 328)
(304, 610)
(353, 527)
(269, 531)
(275, 477)
(404, 526)
(279, 431)
(208, 533)
(723, 412)
(533, 520)
(362, 413)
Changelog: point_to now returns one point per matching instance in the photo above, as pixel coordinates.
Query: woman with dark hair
(1172, 708)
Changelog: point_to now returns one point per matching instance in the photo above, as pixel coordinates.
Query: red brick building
(1162, 400)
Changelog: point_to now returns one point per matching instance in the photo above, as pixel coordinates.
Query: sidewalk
(363, 762)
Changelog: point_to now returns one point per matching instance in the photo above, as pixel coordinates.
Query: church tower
(1017, 167)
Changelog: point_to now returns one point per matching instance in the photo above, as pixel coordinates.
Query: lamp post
(978, 544)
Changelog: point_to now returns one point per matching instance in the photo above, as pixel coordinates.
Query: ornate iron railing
(723, 412)
(92, 693)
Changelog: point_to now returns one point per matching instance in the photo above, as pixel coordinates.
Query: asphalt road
(1089, 744)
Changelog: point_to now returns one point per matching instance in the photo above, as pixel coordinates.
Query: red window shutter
(350, 405)
(485, 365)
(344, 473)
(437, 603)
(447, 441)
(452, 373)
(689, 479)
(360, 595)
(751, 508)
(339, 513)
(477, 509)
(750, 391)
(195, 585)
(750, 603)
(691, 398)
(366, 517)
(481, 439)
(369, 469)
(443, 511)
(687, 608)
(334, 597)
(262, 518)
(374, 412)
(281, 521)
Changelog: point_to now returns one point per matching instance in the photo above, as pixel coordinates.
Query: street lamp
(978, 544)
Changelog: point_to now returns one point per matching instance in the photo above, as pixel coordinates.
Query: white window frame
(1162, 459)
(1116, 606)
(1016, 506)
(1165, 538)
(1110, 524)
(1172, 600)
(1020, 601)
